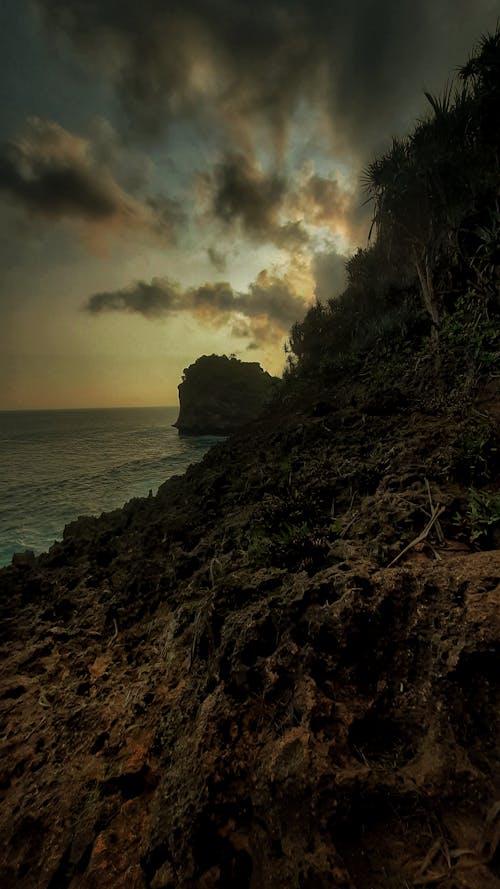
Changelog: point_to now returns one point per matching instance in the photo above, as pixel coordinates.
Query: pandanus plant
(481, 80)
(419, 189)
(427, 183)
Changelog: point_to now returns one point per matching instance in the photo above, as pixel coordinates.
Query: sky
(182, 178)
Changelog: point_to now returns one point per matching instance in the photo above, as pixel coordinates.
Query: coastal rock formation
(219, 394)
(250, 680)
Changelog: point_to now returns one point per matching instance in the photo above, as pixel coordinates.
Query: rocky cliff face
(282, 671)
(220, 394)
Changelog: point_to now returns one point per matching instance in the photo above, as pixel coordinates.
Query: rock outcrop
(219, 394)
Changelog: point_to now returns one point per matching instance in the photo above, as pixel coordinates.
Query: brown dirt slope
(227, 686)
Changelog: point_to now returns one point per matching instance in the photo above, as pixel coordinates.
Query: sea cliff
(219, 394)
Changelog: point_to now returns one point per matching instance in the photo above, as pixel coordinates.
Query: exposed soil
(226, 686)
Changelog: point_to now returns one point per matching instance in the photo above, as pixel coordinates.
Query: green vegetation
(422, 299)
(482, 515)
(476, 453)
(290, 546)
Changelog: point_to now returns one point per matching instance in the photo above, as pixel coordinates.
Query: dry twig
(345, 530)
(437, 511)
(439, 529)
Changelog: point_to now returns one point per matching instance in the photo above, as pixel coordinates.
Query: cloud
(268, 208)
(53, 173)
(326, 202)
(241, 193)
(360, 64)
(154, 300)
(323, 199)
(265, 311)
(272, 297)
(217, 258)
(164, 216)
(329, 274)
(49, 170)
(237, 80)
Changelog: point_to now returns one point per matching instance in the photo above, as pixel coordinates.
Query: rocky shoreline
(226, 685)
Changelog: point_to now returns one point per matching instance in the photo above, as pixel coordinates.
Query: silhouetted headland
(217, 395)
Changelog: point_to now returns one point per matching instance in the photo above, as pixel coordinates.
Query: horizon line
(110, 407)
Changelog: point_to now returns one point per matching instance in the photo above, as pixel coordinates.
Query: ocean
(58, 465)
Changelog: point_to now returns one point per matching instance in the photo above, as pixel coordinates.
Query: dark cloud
(265, 311)
(153, 300)
(236, 79)
(273, 297)
(270, 209)
(329, 274)
(54, 173)
(362, 63)
(48, 170)
(217, 258)
(242, 193)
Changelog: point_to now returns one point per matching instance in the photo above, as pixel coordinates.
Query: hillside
(245, 694)
(283, 669)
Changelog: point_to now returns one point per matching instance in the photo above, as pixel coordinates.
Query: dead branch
(439, 529)
(437, 511)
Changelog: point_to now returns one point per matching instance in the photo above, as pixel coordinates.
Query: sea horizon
(118, 407)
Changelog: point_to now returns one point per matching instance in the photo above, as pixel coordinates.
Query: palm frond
(441, 105)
